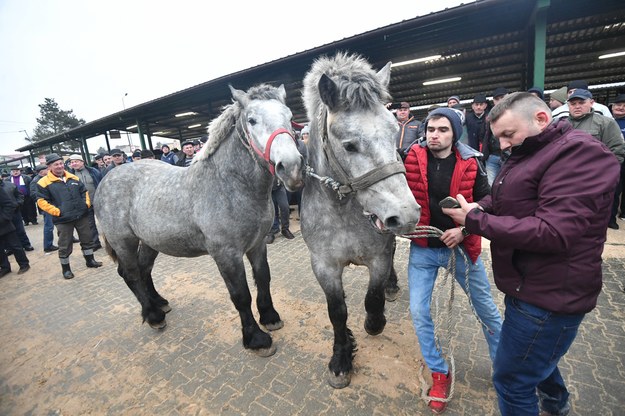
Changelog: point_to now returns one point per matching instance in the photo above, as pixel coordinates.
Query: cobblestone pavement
(78, 347)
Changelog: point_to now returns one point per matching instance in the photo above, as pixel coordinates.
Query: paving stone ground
(78, 347)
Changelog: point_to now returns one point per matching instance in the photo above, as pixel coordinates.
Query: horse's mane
(359, 87)
(222, 127)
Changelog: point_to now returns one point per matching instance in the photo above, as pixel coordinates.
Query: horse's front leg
(391, 290)
(379, 271)
(340, 366)
(269, 317)
(233, 272)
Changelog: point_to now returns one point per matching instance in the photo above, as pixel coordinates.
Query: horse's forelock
(358, 86)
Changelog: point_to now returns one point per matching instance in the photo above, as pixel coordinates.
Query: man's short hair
(523, 103)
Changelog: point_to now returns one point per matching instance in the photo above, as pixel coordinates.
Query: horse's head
(267, 123)
(355, 144)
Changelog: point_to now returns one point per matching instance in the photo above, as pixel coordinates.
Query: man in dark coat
(8, 236)
(546, 220)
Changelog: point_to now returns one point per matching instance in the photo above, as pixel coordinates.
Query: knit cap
(452, 116)
(560, 94)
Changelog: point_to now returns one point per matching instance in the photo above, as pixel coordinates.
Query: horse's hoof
(339, 381)
(274, 326)
(158, 325)
(265, 352)
(166, 308)
(391, 294)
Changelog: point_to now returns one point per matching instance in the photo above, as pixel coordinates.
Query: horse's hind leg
(269, 317)
(147, 256)
(128, 268)
(340, 366)
(232, 270)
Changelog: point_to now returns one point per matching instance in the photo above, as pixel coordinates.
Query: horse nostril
(279, 168)
(392, 222)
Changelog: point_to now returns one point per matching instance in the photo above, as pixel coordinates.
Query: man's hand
(459, 214)
(453, 236)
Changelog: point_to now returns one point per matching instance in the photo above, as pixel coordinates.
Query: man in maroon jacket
(546, 219)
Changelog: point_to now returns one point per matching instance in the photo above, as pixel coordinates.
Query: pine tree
(53, 120)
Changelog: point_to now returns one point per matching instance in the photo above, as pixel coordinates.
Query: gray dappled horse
(220, 205)
(352, 142)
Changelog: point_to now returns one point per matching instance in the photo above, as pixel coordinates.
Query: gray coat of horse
(352, 142)
(220, 205)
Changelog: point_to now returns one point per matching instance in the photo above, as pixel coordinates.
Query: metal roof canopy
(488, 43)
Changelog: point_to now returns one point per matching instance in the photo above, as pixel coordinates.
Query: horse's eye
(252, 121)
(350, 147)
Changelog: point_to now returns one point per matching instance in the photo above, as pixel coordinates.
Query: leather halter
(347, 183)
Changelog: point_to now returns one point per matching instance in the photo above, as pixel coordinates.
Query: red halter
(265, 155)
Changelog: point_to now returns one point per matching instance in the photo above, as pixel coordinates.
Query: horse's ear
(238, 95)
(282, 92)
(328, 92)
(384, 74)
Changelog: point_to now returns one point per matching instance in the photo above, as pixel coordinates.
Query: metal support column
(141, 136)
(540, 42)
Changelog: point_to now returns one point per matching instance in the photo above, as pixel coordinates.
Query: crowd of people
(540, 177)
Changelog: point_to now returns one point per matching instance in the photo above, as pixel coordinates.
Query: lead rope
(437, 318)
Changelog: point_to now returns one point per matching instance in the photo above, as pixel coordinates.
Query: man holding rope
(438, 167)
(546, 220)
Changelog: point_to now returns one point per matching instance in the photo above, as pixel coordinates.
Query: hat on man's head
(40, 167)
(581, 94)
(538, 91)
(619, 99)
(404, 104)
(147, 153)
(479, 99)
(52, 157)
(186, 143)
(559, 94)
(98, 156)
(451, 115)
(305, 129)
(16, 168)
(165, 146)
(76, 157)
(453, 97)
(499, 91)
(577, 84)
(116, 152)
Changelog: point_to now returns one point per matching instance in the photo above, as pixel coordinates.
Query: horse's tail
(109, 249)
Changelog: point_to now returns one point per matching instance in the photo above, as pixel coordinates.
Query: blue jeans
(422, 271)
(493, 166)
(48, 231)
(532, 342)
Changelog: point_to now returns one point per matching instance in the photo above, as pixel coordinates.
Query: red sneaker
(440, 389)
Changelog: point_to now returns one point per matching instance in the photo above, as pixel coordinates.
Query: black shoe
(28, 248)
(67, 271)
(51, 249)
(23, 269)
(35, 223)
(287, 234)
(8, 252)
(91, 262)
(613, 225)
(4, 272)
(75, 240)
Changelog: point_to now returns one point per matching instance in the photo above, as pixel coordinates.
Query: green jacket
(603, 128)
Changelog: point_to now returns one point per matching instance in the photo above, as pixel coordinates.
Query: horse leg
(269, 317)
(391, 290)
(128, 268)
(147, 256)
(374, 300)
(340, 366)
(232, 271)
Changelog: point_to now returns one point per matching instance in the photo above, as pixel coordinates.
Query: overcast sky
(87, 54)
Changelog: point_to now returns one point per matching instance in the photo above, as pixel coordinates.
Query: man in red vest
(436, 168)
